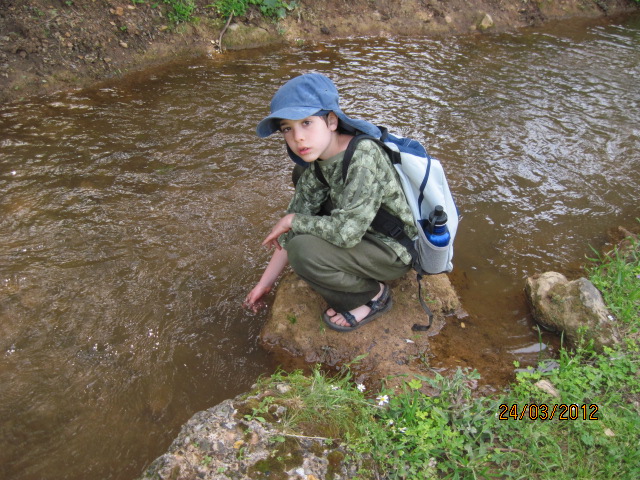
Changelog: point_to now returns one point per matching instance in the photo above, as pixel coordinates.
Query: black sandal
(378, 307)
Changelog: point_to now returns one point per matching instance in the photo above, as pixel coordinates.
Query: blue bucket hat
(308, 95)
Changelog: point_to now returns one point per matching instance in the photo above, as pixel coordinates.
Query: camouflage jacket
(371, 182)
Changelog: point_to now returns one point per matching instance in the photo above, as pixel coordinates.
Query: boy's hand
(252, 302)
(283, 226)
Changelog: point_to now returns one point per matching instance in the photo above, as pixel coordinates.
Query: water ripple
(131, 215)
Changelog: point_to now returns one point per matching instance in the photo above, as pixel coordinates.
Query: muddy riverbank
(52, 45)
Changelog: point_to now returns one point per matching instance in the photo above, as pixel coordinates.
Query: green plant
(261, 411)
(273, 9)
(617, 275)
(415, 436)
(315, 405)
(585, 432)
(180, 10)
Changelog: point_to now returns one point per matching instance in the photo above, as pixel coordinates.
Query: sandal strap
(376, 305)
(351, 320)
(381, 302)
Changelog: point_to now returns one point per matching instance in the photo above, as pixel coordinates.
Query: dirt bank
(49, 45)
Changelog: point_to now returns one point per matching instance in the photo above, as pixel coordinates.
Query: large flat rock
(389, 345)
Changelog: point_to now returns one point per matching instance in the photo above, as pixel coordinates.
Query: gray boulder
(574, 308)
(227, 442)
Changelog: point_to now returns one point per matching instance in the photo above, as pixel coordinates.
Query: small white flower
(335, 387)
(402, 429)
(390, 422)
(361, 387)
(382, 399)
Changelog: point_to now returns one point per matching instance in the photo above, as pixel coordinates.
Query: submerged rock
(574, 308)
(389, 345)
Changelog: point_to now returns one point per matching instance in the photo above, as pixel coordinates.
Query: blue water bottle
(437, 232)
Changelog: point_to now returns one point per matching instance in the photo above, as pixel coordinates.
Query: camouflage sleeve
(307, 200)
(356, 201)
(310, 194)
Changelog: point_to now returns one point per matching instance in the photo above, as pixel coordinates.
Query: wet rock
(575, 308)
(390, 346)
(485, 23)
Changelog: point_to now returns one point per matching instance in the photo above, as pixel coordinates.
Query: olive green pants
(345, 277)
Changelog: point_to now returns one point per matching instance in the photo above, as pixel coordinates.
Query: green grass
(183, 11)
(585, 427)
(617, 275)
(273, 9)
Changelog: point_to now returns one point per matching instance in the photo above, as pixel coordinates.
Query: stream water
(131, 217)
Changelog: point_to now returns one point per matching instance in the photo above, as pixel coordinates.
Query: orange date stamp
(543, 411)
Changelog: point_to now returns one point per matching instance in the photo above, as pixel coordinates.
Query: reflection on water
(131, 216)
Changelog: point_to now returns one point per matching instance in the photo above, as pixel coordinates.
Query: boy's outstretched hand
(252, 301)
(283, 226)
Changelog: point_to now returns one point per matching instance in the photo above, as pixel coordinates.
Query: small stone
(283, 388)
(486, 22)
(547, 386)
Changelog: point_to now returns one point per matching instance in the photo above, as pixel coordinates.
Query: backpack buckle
(396, 231)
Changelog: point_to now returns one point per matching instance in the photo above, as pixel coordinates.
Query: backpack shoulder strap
(348, 155)
(353, 144)
(384, 222)
(319, 174)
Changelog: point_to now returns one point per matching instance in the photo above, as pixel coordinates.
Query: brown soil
(50, 45)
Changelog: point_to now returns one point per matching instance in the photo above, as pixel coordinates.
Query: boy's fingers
(272, 242)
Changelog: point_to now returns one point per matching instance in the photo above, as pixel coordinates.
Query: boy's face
(311, 138)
